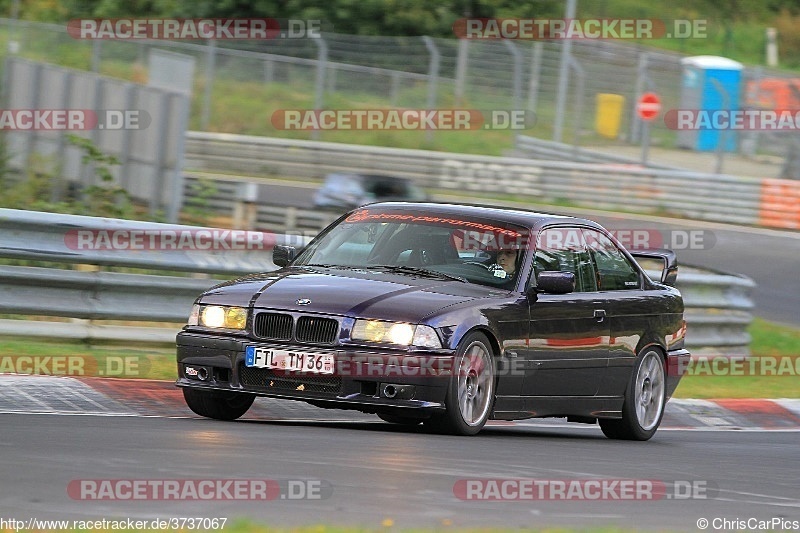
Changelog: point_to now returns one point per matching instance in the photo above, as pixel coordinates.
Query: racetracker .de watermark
(168, 240)
(403, 119)
(601, 28)
(509, 489)
(762, 366)
(198, 489)
(733, 119)
(73, 119)
(375, 366)
(207, 28)
(634, 238)
(122, 366)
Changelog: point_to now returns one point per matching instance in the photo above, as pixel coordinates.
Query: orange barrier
(780, 203)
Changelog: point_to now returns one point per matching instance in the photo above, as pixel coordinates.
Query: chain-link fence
(239, 84)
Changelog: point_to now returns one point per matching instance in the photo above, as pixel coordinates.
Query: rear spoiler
(669, 269)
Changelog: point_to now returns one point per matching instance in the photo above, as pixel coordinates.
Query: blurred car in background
(348, 191)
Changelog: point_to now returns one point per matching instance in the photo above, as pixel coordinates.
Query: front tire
(470, 395)
(645, 398)
(218, 405)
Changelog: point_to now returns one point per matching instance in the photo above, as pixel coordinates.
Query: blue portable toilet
(699, 92)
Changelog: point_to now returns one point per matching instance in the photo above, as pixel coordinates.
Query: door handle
(600, 314)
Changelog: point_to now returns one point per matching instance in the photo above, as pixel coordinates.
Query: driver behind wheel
(506, 265)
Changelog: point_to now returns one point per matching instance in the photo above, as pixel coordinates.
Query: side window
(564, 249)
(614, 271)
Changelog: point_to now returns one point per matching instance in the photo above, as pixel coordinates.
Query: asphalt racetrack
(362, 471)
(373, 472)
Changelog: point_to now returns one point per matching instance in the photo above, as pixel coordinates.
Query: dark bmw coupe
(447, 315)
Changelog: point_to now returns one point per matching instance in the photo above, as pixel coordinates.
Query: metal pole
(269, 71)
(461, 70)
(579, 97)
(13, 44)
(645, 140)
(96, 55)
(536, 71)
(433, 78)
(517, 82)
(322, 68)
(157, 184)
(211, 57)
(66, 98)
(395, 87)
(723, 135)
(752, 147)
(176, 197)
(641, 82)
(563, 77)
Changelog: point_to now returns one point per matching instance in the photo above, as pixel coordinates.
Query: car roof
(521, 217)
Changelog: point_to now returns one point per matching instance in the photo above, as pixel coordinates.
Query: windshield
(486, 252)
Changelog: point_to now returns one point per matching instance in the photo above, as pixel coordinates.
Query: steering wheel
(478, 263)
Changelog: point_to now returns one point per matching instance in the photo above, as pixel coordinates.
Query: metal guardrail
(534, 148)
(716, 197)
(718, 305)
(718, 310)
(33, 235)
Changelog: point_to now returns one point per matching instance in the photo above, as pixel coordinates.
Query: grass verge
(768, 340)
(64, 357)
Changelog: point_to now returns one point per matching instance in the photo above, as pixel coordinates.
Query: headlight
(218, 316)
(398, 333)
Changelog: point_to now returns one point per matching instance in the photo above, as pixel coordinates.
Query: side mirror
(283, 255)
(555, 282)
(668, 262)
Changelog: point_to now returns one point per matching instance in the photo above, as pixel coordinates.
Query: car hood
(356, 293)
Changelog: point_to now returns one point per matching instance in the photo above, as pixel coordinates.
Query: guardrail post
(395, 87)
(269, 71)
(290, 222)
(245, 212)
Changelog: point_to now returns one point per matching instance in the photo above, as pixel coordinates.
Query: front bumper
(359, 380)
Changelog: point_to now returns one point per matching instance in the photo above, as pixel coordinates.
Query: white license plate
(288, 360)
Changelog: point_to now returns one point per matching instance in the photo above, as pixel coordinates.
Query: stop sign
(649, 106)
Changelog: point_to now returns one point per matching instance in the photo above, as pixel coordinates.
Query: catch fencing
(718, 305)
(412, 72)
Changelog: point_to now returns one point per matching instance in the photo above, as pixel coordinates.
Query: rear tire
(645, 398)
(470, 394)
(218, 405)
